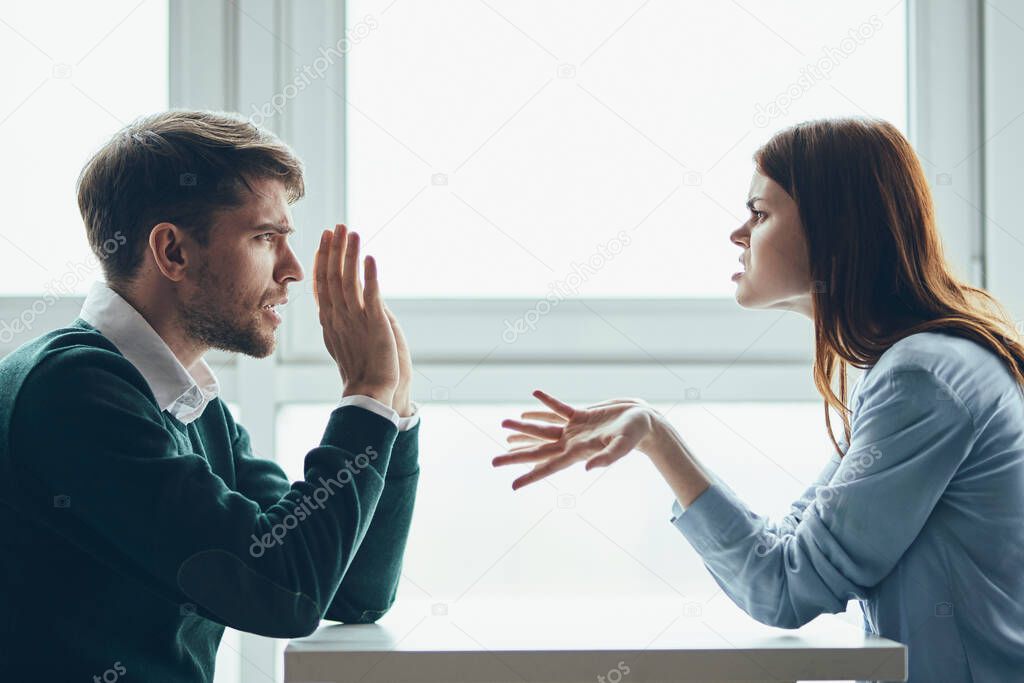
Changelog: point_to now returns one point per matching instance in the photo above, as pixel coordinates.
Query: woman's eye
(758, 216)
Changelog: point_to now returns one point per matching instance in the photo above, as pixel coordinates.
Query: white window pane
(495, 149)
(581, 534)
(83, 71)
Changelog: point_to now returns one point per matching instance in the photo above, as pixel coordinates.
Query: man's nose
(290, 268)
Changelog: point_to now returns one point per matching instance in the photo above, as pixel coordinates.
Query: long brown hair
(875, 255)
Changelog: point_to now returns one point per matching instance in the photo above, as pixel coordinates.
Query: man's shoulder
(61, 358)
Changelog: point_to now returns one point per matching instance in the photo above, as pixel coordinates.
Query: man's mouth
(272, 306)
(271, 310)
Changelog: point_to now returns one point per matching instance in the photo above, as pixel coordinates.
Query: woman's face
(776, 264)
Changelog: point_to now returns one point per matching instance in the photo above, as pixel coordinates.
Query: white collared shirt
(183, 392)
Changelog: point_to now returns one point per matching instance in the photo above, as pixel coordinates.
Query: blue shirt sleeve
(909, 435)
(796, 509)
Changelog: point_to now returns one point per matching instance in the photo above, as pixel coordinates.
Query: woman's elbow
(780, 615)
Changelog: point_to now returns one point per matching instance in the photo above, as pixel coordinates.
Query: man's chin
(263, 346)
(262, 351)
(257, 344)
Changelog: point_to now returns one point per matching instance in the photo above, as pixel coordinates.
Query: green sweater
(132, 539)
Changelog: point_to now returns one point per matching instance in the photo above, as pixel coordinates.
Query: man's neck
(159, 312)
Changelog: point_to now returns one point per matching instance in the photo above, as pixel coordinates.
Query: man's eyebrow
(750, 202)
(283, 229)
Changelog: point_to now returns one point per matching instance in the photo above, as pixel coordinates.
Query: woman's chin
(741, 295)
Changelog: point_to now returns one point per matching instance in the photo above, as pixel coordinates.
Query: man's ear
(167, 245)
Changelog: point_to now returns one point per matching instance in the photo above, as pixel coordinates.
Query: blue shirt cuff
(715, 519)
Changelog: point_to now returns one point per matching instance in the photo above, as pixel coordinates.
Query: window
(509, 149)
(84, 71)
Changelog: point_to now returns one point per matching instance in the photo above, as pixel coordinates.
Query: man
(139, 522)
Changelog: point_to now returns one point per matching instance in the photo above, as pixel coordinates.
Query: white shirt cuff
(407, 423)
(385, 411)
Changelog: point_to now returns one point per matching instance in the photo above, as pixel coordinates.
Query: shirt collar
(184, 393)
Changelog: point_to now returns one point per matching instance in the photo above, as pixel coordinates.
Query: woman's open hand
(553, 440)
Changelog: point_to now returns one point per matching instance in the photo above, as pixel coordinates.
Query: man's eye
(265, 235)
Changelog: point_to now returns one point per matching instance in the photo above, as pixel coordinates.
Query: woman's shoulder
(964, 367)
(938, 352)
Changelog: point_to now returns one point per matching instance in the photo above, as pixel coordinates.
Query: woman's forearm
(676, 463)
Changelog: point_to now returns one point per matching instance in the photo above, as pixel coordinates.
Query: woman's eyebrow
(750, 202)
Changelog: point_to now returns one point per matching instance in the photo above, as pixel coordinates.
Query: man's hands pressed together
(403, 401)
(360, 333)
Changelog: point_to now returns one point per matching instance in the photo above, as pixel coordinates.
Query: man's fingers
(396, 328)
(543, 416)
(321, 292)
(372, 293)
(334, 266)
(350, 276)
(549, 432)
(563, 409)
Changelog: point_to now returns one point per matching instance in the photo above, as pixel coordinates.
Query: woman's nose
(740, 236)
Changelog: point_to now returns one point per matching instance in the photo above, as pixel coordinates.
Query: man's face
(246, 266)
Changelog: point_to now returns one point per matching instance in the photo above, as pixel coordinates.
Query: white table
(560, 641)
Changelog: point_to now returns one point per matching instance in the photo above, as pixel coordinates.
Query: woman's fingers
(543, 416)
(518, 442)
(563, 409)
(549, 432)
(528, 455)
(523, 438)
(618, 401)
(543, 470)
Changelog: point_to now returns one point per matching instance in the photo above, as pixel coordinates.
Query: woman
(920, 513)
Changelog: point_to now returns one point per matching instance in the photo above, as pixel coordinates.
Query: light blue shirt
(922, 520)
